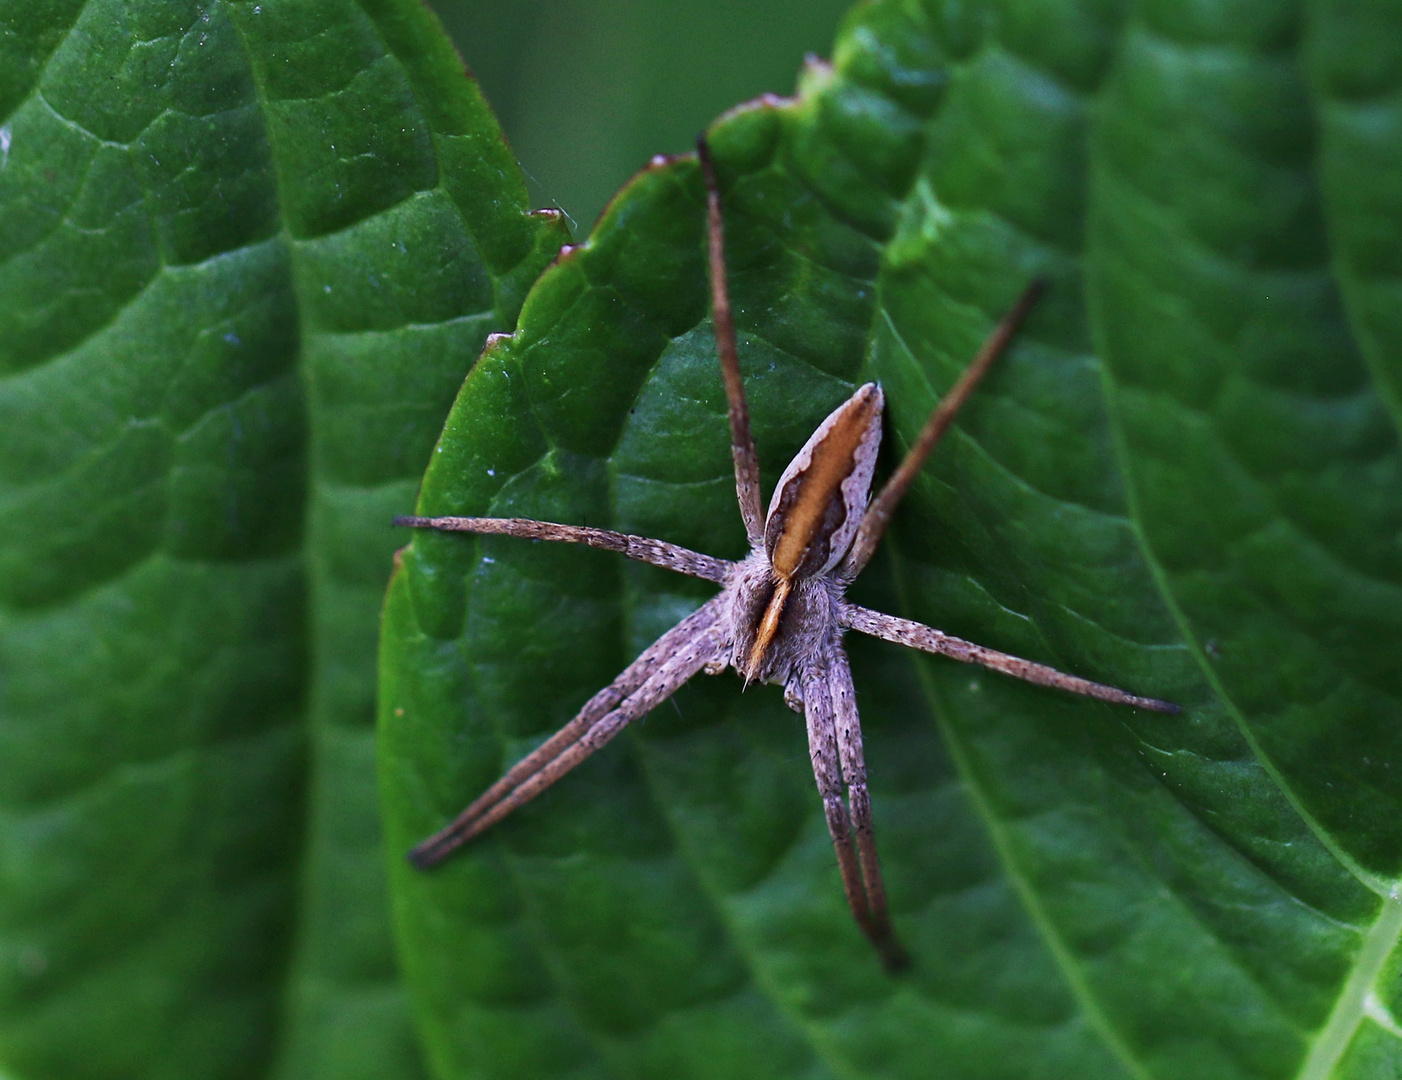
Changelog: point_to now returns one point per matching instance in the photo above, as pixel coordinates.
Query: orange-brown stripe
(768, 626)
(833, 461)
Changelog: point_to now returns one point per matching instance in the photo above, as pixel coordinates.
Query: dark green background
(249, 249)
(588, 90)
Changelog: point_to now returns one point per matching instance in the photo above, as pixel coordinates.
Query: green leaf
(247, 252)
(1184, 480)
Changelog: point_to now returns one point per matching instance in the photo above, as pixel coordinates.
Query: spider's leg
(649, 680)
(827, 771)
(854, 776)
(879, 510)
(928, 639)
(823, 748)
(742, 444)
(657, 552)
(597, 707)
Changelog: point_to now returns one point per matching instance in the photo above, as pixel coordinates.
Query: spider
(781, 613)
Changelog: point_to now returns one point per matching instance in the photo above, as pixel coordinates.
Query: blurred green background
(588, 90)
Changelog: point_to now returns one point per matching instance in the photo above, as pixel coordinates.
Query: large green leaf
(1184, 480)
(247, 252)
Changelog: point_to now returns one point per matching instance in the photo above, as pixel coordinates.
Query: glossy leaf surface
(1184, 481)
(247, 251)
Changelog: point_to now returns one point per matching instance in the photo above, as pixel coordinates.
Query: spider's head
(775, 622)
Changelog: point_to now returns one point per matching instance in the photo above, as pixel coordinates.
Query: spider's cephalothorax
(780, 614)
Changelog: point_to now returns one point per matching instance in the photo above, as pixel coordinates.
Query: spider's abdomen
(820, 498)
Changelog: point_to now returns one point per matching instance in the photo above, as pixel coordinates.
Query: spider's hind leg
(742, 443)
(879, 510)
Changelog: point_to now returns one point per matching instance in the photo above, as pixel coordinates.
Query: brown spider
(780, 614)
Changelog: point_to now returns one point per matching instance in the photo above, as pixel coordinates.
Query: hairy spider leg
(927, 639)
(648, 681)
(879, 510)
(742, 443)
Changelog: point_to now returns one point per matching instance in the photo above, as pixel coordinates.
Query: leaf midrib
(1080, 990)
(1348, 1013)
(1351, 1009)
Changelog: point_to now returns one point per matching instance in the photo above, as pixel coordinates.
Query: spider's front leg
(835, 745)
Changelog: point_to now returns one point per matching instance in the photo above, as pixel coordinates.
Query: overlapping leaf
(1184, 480)
(247, 251)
